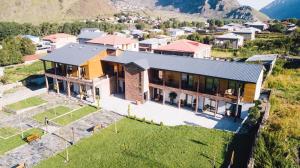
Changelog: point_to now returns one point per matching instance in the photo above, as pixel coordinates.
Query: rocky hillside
(246, 13)
(281, 9)
(205, 8)
(36, 11)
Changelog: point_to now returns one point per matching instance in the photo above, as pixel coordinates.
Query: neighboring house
(198, 84)
(248, 34)
(175, 32)
(188, 30)
(89, 30)
(117, 42)
(224, 28)
(59, 40)
(185, 48)
(156, 31)
(268, 61)
(150, 44)
(138, 34)
(34, 39)
(229, 40)
(85, 36)
(259, 25)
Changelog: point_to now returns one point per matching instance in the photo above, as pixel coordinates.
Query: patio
(169, 115)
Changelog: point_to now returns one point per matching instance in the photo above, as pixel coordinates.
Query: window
(235, 85)
(211, 85)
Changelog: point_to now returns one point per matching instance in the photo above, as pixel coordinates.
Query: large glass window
(211, 85)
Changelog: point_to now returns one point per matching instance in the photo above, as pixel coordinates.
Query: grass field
(18, 73)
(15, 141)
(279, 143)
(139, 144)
(221, 54)
(8, 131)
(51, 113)
(30, 102)
(75, 115)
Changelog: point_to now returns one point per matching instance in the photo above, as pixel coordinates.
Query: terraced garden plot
(52, 113)
(23, 104)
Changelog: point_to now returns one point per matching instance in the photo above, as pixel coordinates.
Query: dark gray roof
(221, 69)
(90, 35)
(74, 54)
(263, 58)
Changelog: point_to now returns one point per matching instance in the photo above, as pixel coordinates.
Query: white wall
(221, 107)
(258, 86)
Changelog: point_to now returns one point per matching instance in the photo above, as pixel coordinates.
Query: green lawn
(8, 131)
(75, 115)
(15, 141)
(221, 54)
(30, 102)
(143, 145)
(51, 113)
(19, 73)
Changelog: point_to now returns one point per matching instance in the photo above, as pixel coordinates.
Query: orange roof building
(185, 48)
(116, 41)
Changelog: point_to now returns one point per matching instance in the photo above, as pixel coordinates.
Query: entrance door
(210, 105)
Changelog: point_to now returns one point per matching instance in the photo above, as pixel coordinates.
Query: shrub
(4, 79)
(161, 124)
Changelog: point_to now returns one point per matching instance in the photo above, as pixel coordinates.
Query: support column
(197, 104)
(57, 86)
(164, 97)
(179, 100)
(80, 91)
(45, 68)
(47, 84)
(94, 93)
(217, 106)
(68, 89)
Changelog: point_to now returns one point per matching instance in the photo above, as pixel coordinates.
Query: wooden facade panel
(249, 92)
(94, 67)
(223, 85)
(173, 77)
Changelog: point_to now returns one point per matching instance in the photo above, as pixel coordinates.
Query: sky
(257, 4)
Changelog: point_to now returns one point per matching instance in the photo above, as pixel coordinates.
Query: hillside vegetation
(279, 142)
(37, 11)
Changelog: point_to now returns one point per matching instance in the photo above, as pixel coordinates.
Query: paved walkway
(170, 115)
(54, 143)
(21, 94)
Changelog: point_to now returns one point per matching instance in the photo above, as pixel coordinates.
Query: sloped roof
(90, 35)
(267, 57)
(74, 54)
(229, 36)
(221, 69)
(183, 46)
(54, 37)
(112, 40)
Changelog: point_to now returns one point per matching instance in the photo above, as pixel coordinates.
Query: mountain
(282, 9)
(36, 11)
(204, 8)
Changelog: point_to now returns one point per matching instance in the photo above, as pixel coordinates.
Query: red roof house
(185, 48)
(116, 41)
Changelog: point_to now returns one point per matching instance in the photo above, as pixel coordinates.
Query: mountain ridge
(282, 9)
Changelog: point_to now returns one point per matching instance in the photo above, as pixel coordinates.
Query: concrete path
(51, 144)
(170, 115)
(21, 94)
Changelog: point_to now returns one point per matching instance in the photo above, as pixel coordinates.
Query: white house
(175, 32)
(232, 40)
(149, 44)
(248, 34)
(258, 24)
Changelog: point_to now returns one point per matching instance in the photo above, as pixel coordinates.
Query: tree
(278, 27)
(27, 47)
(195, 37)
(140, 26)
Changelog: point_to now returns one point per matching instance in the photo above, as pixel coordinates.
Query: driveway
(169, 115)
